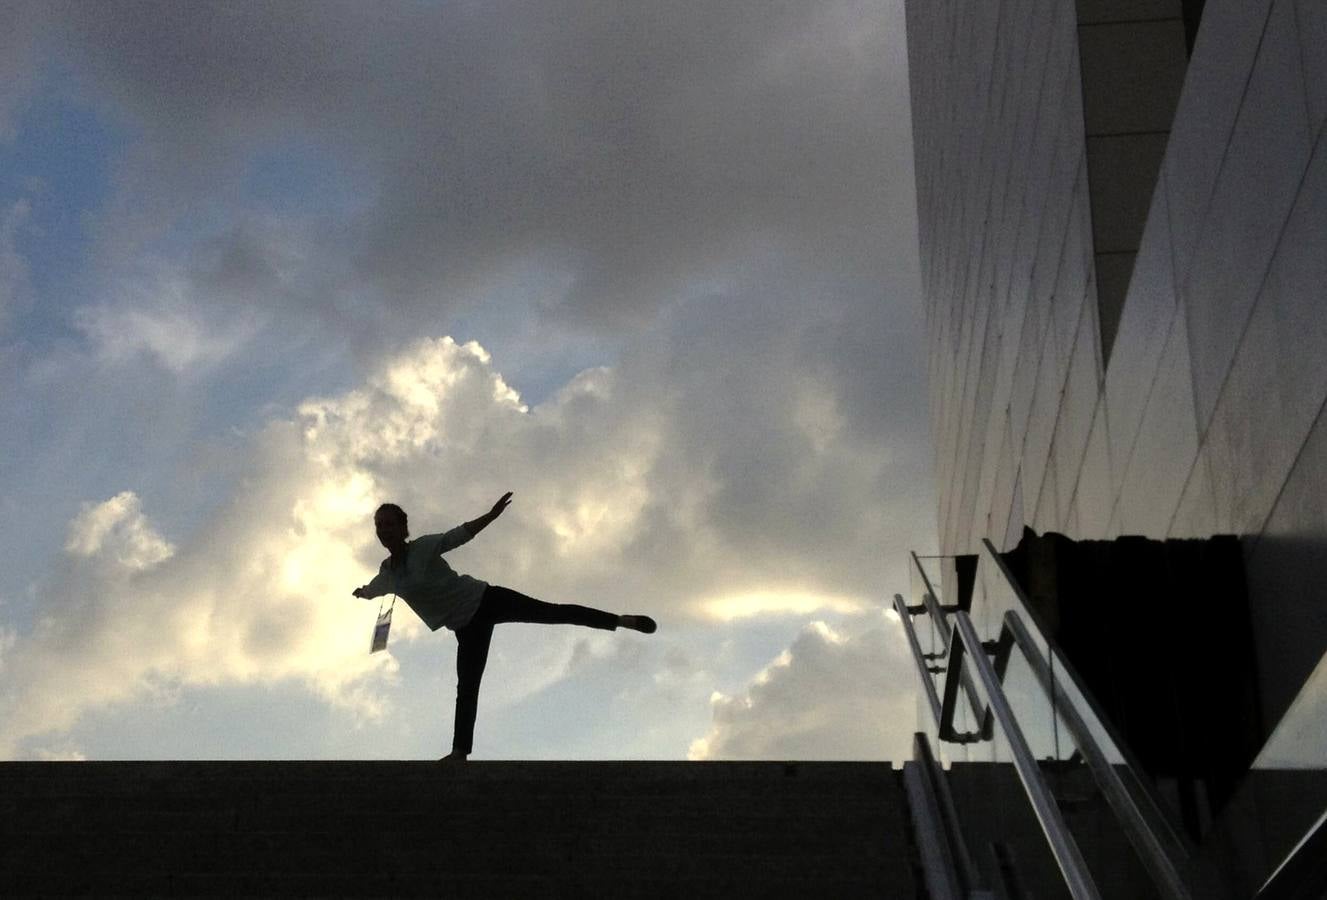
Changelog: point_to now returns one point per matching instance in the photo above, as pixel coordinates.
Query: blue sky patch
(60, 162)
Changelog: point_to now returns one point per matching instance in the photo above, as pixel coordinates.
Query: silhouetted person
(417, 573)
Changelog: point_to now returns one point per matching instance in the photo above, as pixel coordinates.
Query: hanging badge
(380, 630)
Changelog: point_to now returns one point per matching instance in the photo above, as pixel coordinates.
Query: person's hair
(392, 507)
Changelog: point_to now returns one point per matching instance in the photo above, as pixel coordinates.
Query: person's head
(391, 525)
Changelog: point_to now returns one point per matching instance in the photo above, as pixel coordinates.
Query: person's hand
(358, 592)
(477, 525)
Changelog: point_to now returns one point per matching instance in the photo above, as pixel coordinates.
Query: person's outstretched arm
(375, 588)
(477, 525)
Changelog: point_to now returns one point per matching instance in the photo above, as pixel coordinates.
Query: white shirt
(437, 594)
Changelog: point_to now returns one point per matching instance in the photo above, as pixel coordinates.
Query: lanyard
(384, 623)
(382, 627)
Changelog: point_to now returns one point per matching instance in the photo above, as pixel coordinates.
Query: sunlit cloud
(45, 754)
(261, 592)
(117, 530)
(776, 602)
(835, 693)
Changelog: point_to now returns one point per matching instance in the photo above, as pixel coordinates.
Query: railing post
(937, 614)
(922, 671)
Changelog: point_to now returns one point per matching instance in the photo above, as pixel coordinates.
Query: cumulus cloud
(619, 499)
(833, 694)
(260, 594)
(118, 532)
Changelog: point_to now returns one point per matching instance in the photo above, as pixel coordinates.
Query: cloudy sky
(651, 267)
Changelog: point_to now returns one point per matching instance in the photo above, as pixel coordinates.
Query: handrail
(934, 833)
(1067, 855)
(1157, 845)
(937, 614)
(944, 800)
(939, 875)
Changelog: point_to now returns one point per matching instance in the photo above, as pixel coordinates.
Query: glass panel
(997, 819)
(1045, 734)
(1000, 596)
(1047, 729)
(934, 569)
(1092, 824)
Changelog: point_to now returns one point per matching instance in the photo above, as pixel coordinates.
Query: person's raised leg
(472, 644)
(505, 605)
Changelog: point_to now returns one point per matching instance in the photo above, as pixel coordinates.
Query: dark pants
(500, 604)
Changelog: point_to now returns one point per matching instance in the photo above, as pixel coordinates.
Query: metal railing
(1161, 850)
(947, 866)
(931, 604)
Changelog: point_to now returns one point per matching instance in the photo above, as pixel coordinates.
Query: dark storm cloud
(21, 23)
(800, 417)
(634, 148)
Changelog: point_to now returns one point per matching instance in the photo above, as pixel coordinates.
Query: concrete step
(638, 829)
(811, 831)
(569, 885)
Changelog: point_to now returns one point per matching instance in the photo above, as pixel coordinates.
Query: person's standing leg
(472, 643)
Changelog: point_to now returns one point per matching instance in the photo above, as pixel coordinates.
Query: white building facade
(1122, 208)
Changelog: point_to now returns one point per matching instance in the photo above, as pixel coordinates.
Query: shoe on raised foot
(643, 624)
